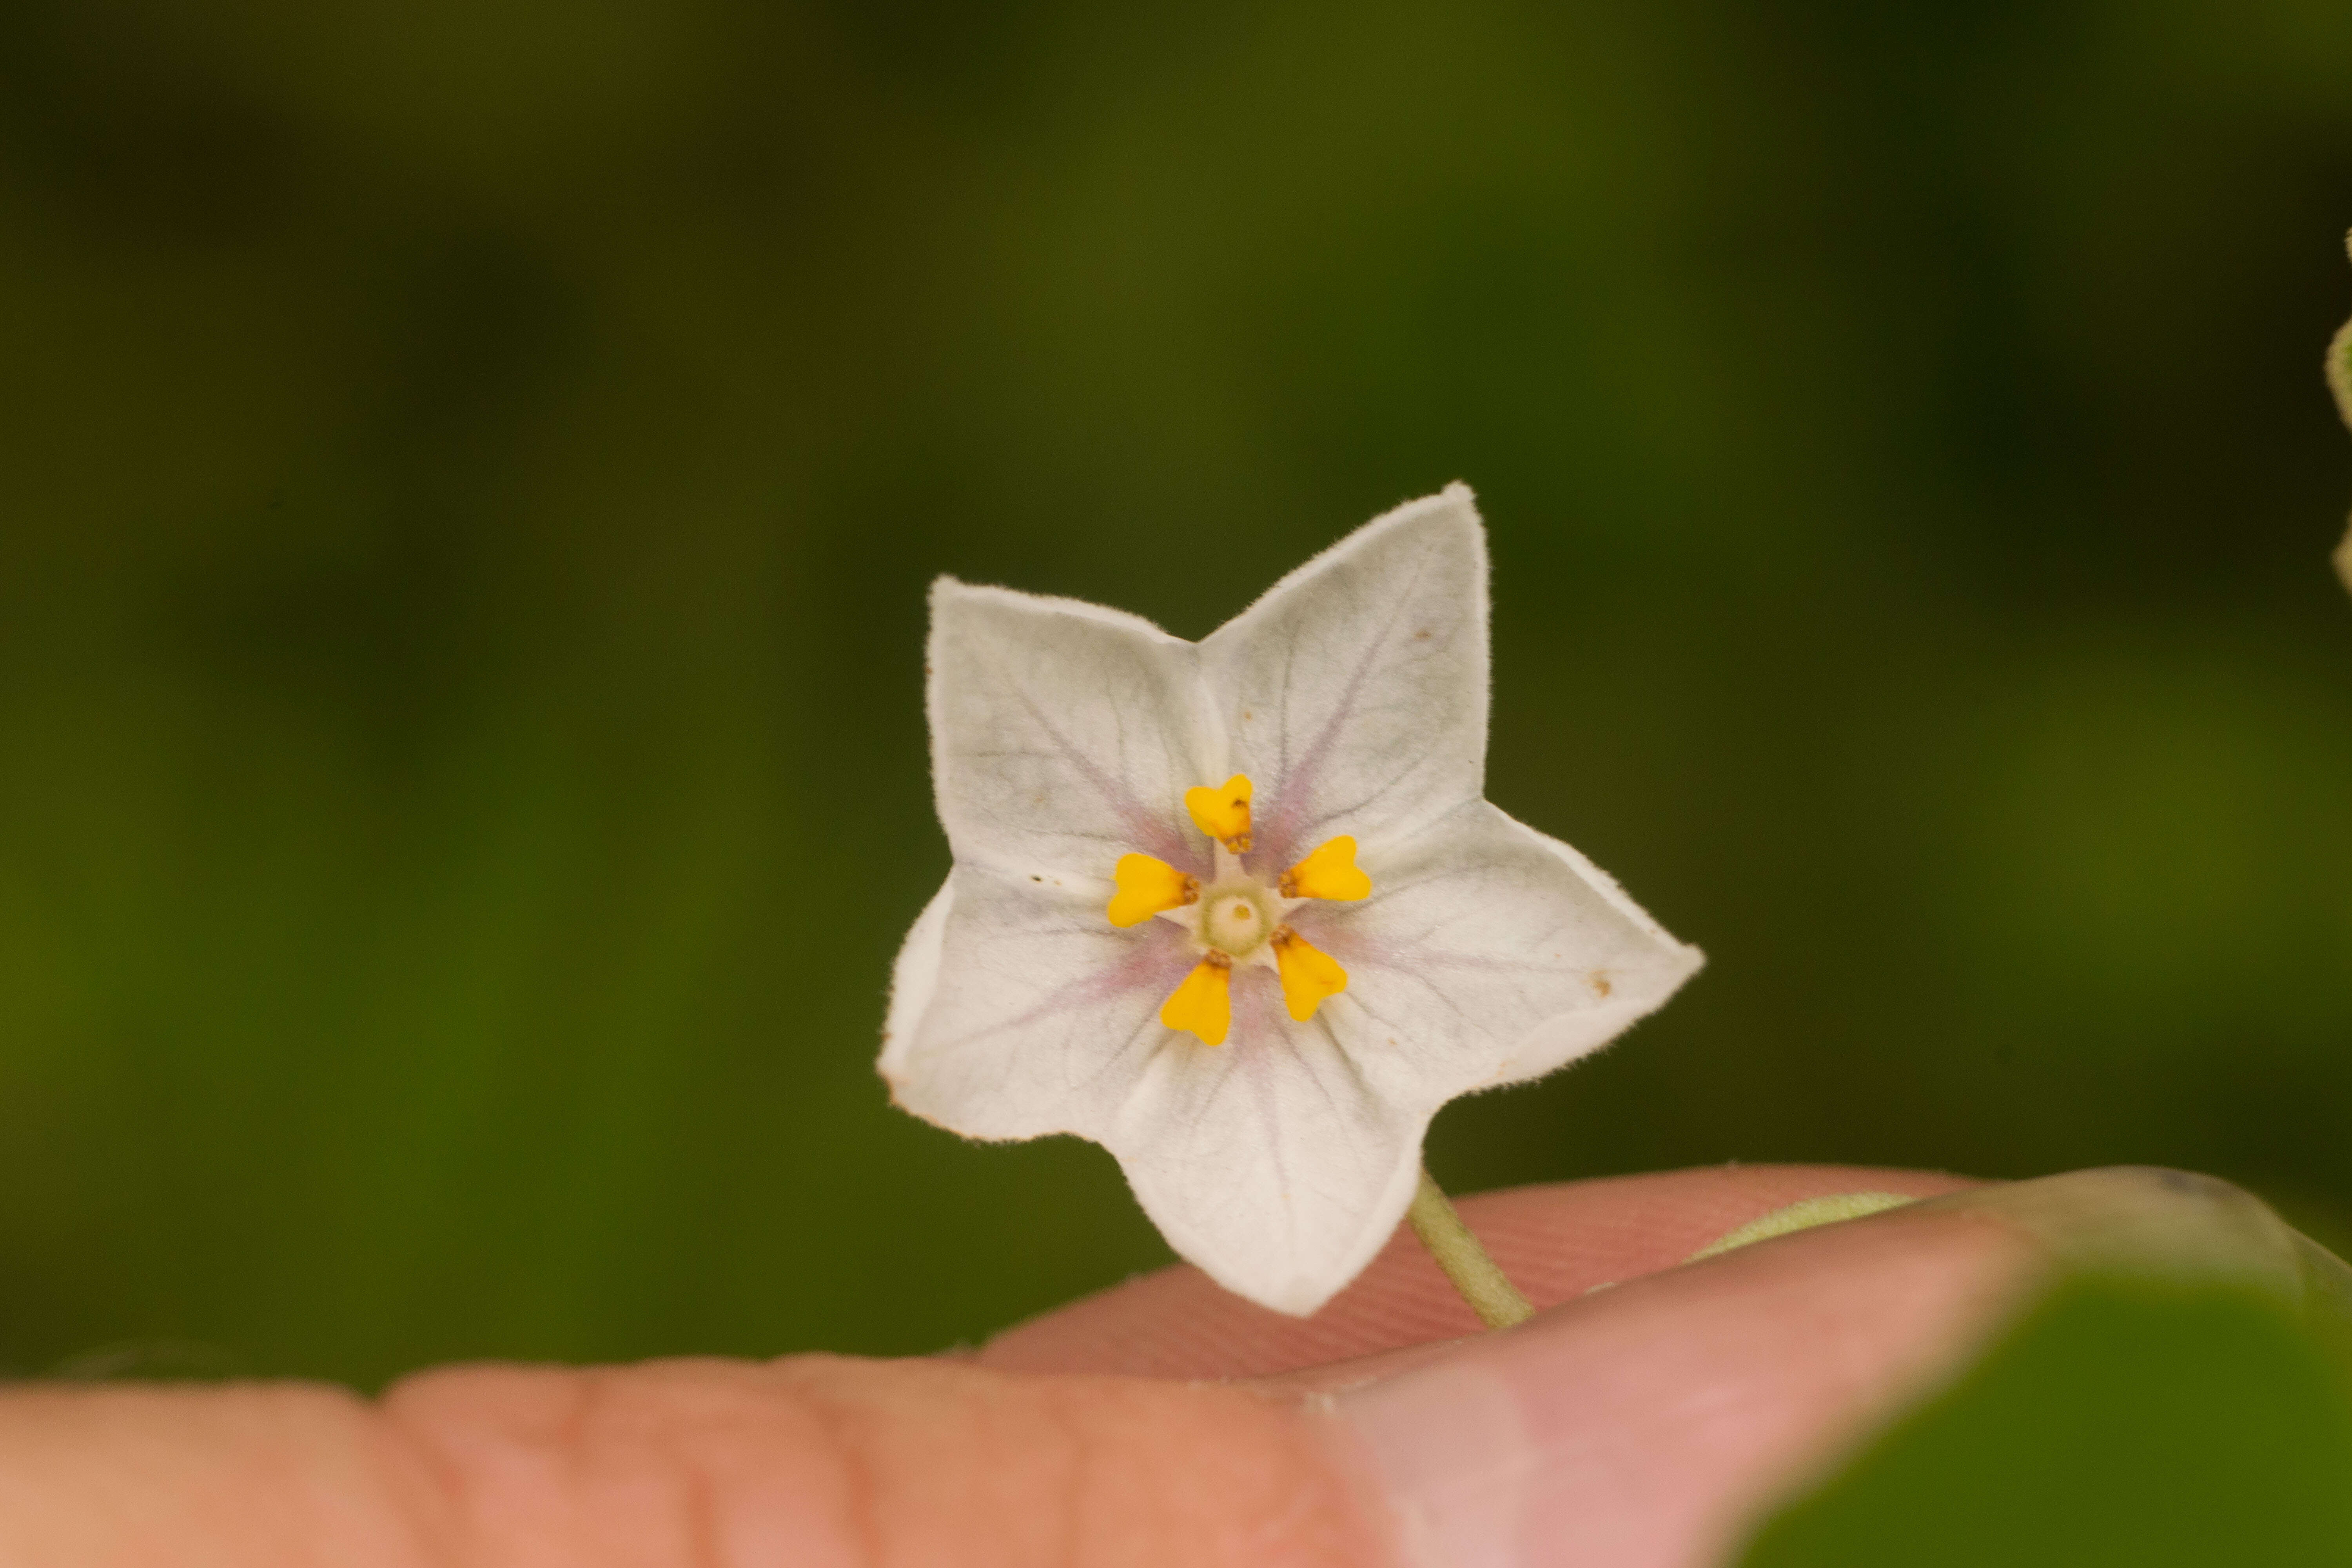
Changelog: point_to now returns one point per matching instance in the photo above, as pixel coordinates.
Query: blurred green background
(468, 473)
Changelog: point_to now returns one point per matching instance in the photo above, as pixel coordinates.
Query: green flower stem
(1802, 1215)
(1485, 1285)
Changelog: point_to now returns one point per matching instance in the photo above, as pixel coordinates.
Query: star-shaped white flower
(1239, 911)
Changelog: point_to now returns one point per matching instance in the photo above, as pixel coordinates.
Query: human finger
(1636, 1428)
(813, 1460)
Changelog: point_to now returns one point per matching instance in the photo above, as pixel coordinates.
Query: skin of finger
(817, 1461)
(829, 1462)
(1556, 1242)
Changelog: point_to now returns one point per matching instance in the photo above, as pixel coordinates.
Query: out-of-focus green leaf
(2121, 1422)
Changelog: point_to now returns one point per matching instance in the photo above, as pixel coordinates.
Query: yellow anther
(1204, 1003)
(1329, 873)
(1223, 812)
(1308, 974)
(1146, 887)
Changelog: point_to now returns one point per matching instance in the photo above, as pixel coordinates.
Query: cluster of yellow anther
(1239, 916)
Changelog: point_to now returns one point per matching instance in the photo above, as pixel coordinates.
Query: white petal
(1354, 692)
(914, 979)
(1270, 1161)
(1063, 735)
(1647, 968)
(1039, 1016)
(1487, 954)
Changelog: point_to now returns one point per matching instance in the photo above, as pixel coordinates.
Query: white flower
(1238, 910)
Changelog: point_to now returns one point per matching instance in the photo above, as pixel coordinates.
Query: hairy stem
(1488, 1290)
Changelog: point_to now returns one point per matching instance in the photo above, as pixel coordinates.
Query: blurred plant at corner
(2339, 381)
(468, 473)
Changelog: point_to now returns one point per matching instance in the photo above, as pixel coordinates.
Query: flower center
(1234, 922)
(1240, 918)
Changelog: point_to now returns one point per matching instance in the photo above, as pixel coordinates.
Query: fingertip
(1641, 1427)
(1556, 1242)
